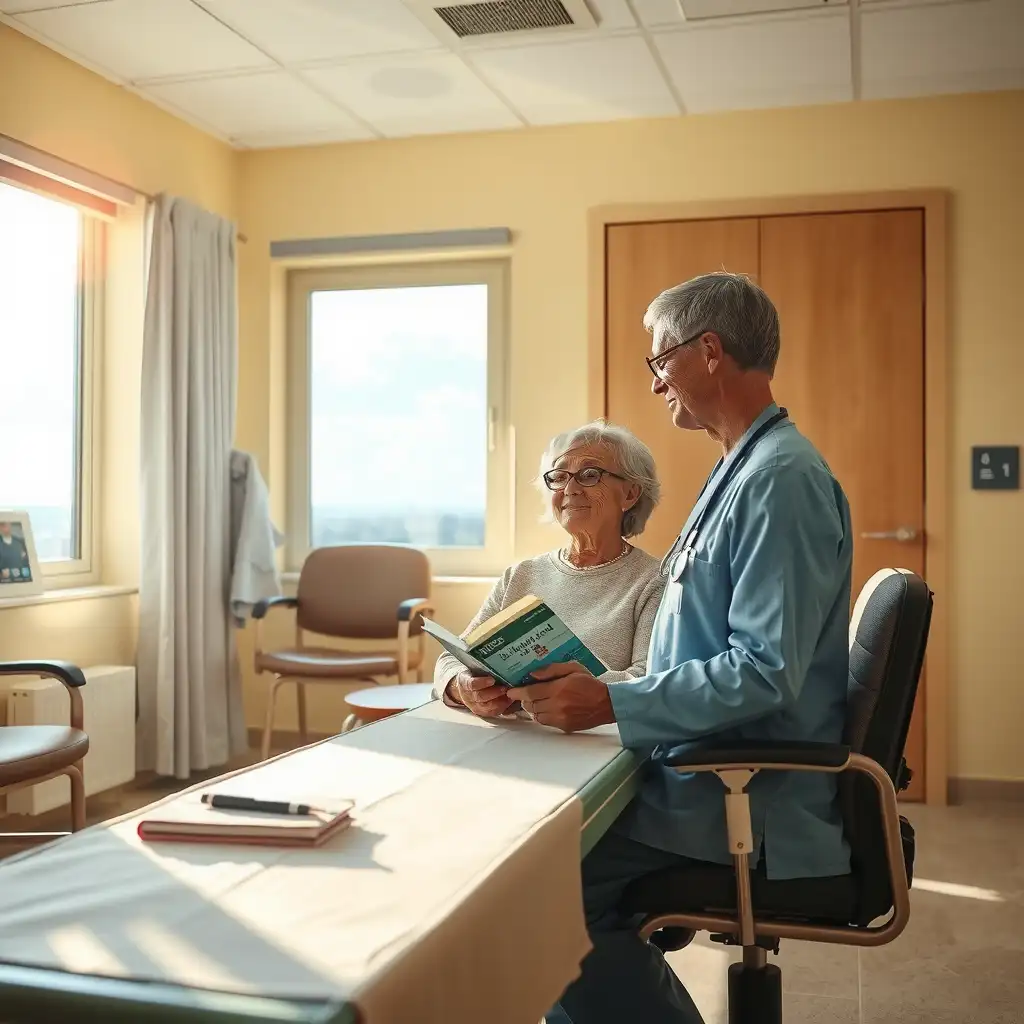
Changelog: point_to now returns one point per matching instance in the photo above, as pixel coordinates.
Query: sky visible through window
(398, 415)
(39, 246)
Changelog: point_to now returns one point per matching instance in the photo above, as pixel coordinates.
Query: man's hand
(480, 694)
(567, 697)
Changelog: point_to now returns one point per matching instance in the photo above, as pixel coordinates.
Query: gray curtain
(190, 709)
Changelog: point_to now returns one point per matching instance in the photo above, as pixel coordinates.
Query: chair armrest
(737, 765)
(260, 609)
(766, 754)
(407, 610)
(410, 623)
(68, 674)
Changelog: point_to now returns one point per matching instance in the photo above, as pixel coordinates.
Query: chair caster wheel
(668, 940)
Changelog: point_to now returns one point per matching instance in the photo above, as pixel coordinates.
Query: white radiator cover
(108, 699)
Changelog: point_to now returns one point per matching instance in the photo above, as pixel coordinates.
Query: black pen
(223, 802)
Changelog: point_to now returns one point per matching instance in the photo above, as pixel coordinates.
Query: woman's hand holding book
(480, 694)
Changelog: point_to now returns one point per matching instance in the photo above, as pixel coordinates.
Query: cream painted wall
(49, 102)
(56, 105)
(541, 183)
(96, 631)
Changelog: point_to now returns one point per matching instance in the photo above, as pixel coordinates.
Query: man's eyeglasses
(589, 476)
(656, 362)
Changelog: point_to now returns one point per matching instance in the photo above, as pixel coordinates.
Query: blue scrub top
(751, 643)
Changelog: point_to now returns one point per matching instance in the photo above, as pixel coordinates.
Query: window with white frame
(48, 303)
(399, 426)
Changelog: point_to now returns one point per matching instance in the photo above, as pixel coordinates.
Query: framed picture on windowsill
(20, 574)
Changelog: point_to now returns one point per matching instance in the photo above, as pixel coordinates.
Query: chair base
(77, 781)
(300, 684)
(669, 940)
(755, 994)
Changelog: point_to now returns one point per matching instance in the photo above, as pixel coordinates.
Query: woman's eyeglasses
(589, 476)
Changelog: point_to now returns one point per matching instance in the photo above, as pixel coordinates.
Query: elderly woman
(601, 485)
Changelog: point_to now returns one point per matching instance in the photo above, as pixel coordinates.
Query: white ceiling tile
(285, 139)
(415, 95)
(589, 80)
(263, 103)
(612, 14)
(296, 31)
(923, 50)
(17, 6)
(143, 39)
(696, 10)
(774, 62)
(658, 12)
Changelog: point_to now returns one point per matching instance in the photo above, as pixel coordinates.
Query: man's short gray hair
(731, 306)
(633, 458)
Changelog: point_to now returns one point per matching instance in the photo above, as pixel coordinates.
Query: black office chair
(739, 905)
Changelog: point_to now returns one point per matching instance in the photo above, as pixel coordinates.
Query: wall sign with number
(995, 468)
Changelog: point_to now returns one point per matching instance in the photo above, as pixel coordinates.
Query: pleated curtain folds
(190, 708)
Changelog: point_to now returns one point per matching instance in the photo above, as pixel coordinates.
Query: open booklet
(188, 820)
(514, 643)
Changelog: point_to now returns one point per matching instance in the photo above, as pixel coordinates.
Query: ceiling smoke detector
(472, 19)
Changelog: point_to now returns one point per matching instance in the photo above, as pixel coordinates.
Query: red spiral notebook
(189, 820)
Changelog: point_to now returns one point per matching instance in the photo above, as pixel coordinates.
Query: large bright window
(399, 428)
(46, 310)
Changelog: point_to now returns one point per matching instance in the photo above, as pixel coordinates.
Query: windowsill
(444, 581)
(67, 594)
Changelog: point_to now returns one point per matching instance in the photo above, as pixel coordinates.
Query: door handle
(902, 535)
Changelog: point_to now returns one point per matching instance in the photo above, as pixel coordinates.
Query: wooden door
(643, 260)
(850, 292)
(849, 288)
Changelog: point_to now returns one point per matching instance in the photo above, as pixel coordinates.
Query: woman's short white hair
(632, 458)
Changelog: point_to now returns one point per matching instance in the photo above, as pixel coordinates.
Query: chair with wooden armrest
(739, 905)
(352, 592)
(30, 754)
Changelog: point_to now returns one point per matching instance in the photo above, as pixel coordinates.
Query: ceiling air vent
(499, 17)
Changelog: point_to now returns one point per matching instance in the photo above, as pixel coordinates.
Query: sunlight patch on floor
(971, 892)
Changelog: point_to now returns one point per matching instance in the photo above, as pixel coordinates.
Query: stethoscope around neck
(684, 548)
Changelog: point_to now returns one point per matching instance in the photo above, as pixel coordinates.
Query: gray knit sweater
(611, 608)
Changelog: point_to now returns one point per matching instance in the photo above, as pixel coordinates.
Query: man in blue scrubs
(750, 644)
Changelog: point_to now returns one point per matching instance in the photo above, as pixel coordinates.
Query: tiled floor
(960, 961)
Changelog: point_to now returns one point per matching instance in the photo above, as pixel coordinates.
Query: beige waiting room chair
(350, 592)
(30, 754)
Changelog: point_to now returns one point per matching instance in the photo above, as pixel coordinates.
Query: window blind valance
(24, 165)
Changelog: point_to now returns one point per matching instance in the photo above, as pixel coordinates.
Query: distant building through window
(401, 434)
(41, 345)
